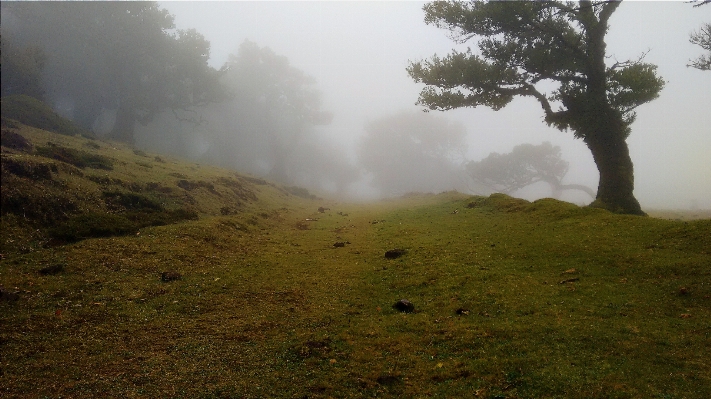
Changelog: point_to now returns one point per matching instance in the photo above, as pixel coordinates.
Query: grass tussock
(509, 298)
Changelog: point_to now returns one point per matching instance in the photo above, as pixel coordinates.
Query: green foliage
(541, 41)
(32, 112)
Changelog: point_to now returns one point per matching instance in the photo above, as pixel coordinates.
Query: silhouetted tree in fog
(413, 152)
(526, 164)
(562, 44)
(273, 107)
(122, 56)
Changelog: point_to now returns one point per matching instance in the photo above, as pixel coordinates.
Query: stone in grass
(462, 311)
(8, 296)
(394, 253)
(404, 305)
(52, 269)
(170, 276)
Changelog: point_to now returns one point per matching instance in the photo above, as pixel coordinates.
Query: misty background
(318, 96)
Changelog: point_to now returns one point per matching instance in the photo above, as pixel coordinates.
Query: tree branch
(531, 90)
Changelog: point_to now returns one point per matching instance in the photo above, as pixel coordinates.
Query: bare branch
(625, 64)
(700, 3)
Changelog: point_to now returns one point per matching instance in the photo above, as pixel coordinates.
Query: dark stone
(388, 379)
(341, 244)
(52, 269)
(170, 276)
(404, 305)
(8, 296)
(394, 253)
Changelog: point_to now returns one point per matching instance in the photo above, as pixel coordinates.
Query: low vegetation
(244, 289)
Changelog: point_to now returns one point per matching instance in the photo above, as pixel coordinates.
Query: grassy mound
(32, 112)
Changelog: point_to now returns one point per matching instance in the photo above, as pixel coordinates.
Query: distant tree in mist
(273, 111)
(269, 125)
(410, 152)
(21, 69)
(122, 56)
(526, 46)
(526, 164)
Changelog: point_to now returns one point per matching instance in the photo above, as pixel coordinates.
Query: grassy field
(275, 299)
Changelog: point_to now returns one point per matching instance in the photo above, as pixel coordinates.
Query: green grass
(512, 299)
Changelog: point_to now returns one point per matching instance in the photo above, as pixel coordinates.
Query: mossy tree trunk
(616, 186)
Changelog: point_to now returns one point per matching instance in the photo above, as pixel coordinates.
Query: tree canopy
(525, 165)
(122, 56)
(555, 53)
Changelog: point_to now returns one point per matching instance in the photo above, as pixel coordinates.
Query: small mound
(32, 112)
(500, 202)
(556, 209)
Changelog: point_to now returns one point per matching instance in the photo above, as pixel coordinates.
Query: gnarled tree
(526, 164)
(526, 46)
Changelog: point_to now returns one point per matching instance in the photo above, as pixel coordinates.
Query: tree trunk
(124, 126)
(580, 187)
(615, 190)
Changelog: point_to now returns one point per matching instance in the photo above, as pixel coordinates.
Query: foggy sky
(358, 51)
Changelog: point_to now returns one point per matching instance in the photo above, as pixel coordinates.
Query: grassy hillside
(268, 297)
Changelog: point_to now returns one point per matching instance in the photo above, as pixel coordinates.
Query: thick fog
(348, 61)
(358, 51)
